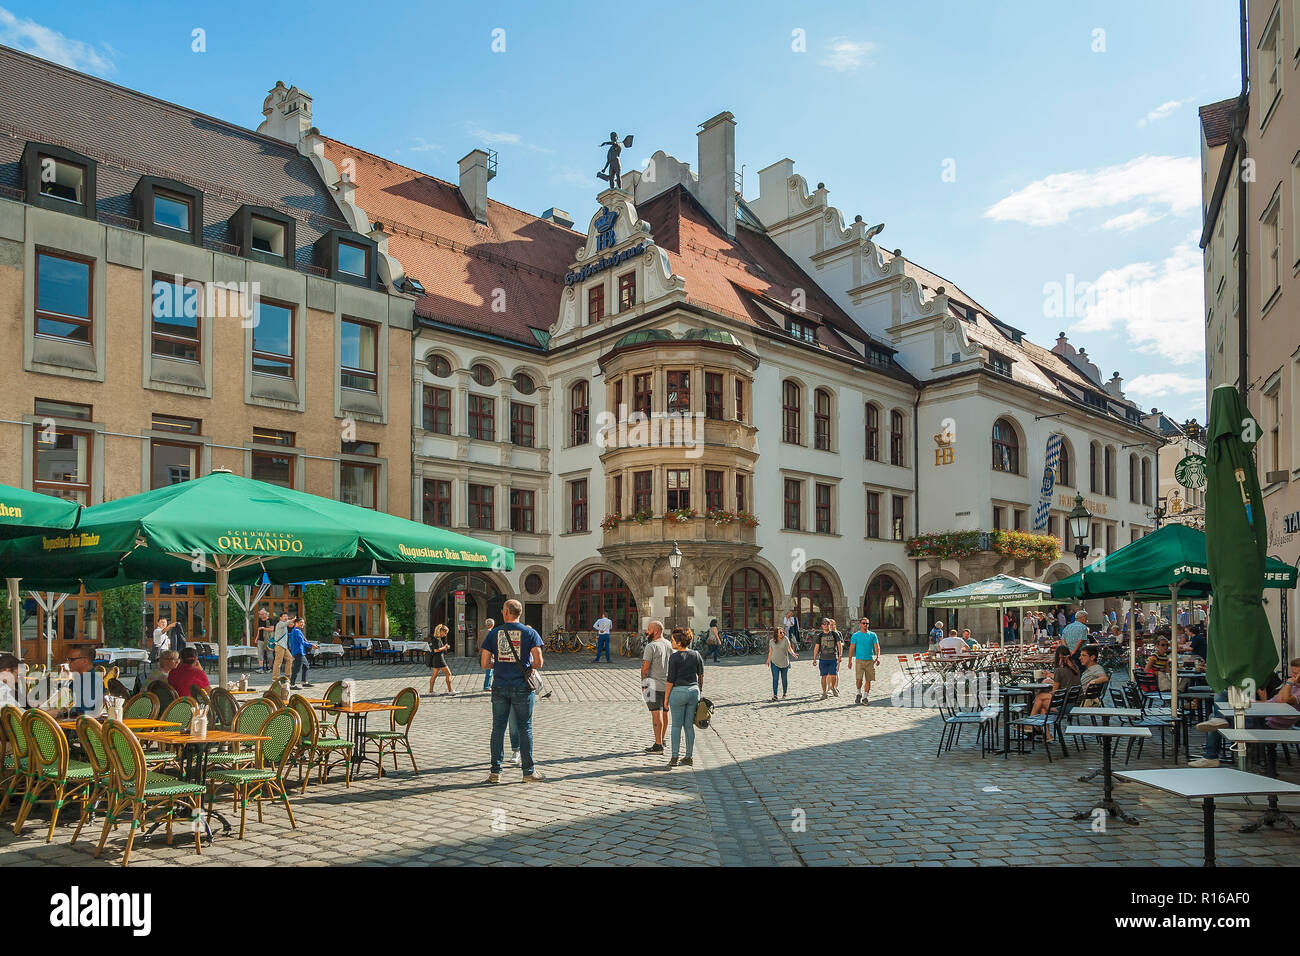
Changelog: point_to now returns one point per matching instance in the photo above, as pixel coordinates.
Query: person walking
(280, 646)
(161, 639)
(685, 683)
(863, 648)
(437, 662)
(488, 624)
(791, 623)
(827, 648)
(602, 626)
(512, 651)
(298, 651)
(265, 631)
(713, 643)
(654, 682)
(779, 654)
(938, 632)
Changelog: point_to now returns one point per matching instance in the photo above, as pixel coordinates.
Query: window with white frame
(1270, 248)
(1270, 66)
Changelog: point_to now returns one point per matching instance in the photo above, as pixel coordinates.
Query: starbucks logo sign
(1190, 472)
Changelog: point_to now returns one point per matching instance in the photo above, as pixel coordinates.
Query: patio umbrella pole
(1173, 668)
(223, 588)
(15, 619)
(1132, 634)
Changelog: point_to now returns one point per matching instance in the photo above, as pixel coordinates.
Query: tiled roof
(117, 127)
(1216, 121)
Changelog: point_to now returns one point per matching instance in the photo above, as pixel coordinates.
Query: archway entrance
(482, 600)
(948, 615)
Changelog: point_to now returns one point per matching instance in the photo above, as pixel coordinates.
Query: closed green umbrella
(24, 513)
(223, 529)
(1242, 652)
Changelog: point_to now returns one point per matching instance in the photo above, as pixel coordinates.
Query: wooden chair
(224, 707)
(248, 720)
(138, 793)
(266, 778)
(143, 706)
(15, 762)
(315, 749)
(90, 733)
(163, 691)
(408, 699)
(52, 776)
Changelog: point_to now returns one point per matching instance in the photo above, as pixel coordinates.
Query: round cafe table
(356, 713)
(194, 766)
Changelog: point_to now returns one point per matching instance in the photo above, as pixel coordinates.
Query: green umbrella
(223, 529)
(24, 513)
(1242, 653)
(1001, 590)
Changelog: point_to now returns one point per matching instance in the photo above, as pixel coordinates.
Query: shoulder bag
(531, 677)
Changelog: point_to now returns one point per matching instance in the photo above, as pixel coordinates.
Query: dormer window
(268, 237)
(63, 180)
(264, 234)
(348, 257)
(170, 209)
(999, 363)
(57, 178)
(354, 259)
(802, 331)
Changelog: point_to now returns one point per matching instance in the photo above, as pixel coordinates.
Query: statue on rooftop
(612, 172)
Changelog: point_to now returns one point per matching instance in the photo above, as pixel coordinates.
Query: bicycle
(554, 643)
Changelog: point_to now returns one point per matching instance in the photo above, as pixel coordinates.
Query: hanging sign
(1190, 472)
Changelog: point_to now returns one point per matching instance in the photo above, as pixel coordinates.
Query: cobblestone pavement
(801, 781)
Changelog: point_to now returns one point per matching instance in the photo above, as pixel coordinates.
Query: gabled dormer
(170, 209)
(59, 179)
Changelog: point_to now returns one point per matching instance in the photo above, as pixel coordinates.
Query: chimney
(1115, 387)
(716, 189)
(474, 176)
(559, 217)
(288, 113)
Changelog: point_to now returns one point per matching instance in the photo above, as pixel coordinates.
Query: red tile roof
(1216, 121)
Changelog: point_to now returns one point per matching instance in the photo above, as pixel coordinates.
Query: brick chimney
(716, 164)
(474, 178)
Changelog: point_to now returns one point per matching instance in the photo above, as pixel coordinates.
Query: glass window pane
(171, 211)
(171, 464)
(63, 286)
(352, 259)
(273, 337)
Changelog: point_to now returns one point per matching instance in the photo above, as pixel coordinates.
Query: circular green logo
(1190, 472)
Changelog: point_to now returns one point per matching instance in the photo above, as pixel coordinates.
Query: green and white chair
(398, 734)
(265, 779)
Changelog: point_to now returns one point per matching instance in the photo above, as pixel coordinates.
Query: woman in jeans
(779, 654)
(685, 681)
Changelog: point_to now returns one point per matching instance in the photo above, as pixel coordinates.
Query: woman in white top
(779, 654)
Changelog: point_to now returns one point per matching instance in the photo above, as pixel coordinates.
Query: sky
(1044, 157)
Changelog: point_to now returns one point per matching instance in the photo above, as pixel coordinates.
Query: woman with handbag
(438, 664)
(682, 697)
(713, 643)
(779, 655)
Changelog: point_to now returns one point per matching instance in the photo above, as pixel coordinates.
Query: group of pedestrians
(282, 645)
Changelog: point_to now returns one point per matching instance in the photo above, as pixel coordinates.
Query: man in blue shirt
(298, 648)
(937, 632)
(511, 650)
(864, 648)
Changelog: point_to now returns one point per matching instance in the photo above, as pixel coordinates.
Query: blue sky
(1071, 154)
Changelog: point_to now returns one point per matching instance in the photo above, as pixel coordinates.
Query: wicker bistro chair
(265, 779)
(248, 720)
(180, 711)
(15, 762)
(143, 706)
(224, 707)
(91, 734)
(52, 776)
(201, 696)
(315, 749)
(163, 691)
(399, 732)
(333, 694)
(138, 793)
(117, 688)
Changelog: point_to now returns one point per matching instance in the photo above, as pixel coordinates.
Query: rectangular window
(713, 395)
(359, 355)
(1110, 538)
(437, 503)
(170, 463)
(873, 433)
(273, 339)
(268, 236)
(997, 518)
(273, 436)
(803, 331)
(618, 401)
(64, 296)
(740, 399)
(873, 514)
(1270, 247)
(480, 507)
(1018, 519)
(679, 489)
(359, 484)
(896, 519)
(578, 505)
(360, 448)
(437, 410)
(793, 504)
(521, 511)
(63, 180)
(49, 408)
(62, 465)
(643, 492)
(616, 506)
(354, 259)
(273, 468)
(713, 490)
(642, 393)
(175, 423)
(171, 210)
(595, 303)
(679, 391)
(1051, 526)
(626, 291)
(823, 509)
(481, 418)
(822, 420)
(741, 498)
(176, 318)
(521, 424)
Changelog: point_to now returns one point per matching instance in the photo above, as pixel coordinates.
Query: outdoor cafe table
(1206, 785)
(1006, 692)
(115, 654)
(132, 724)
(1105, 713)
(356, 713)
(194, 756)
(1105, 735)
(1270, 738)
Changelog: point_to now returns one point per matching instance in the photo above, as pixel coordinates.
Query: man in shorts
(863, 648)
(654, 681)
(828, 645)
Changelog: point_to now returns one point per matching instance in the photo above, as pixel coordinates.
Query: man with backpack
(512, 651)
(828, 644)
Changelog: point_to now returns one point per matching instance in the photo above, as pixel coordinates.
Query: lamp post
(1080, 519)
(675, 562)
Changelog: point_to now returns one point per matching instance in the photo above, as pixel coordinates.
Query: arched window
(895, 437)
(1063, 466)
(524, 383)
(1094, 468)
(873, 432)
(1146, 481)
(601, 592)
(790, 413)
(482, 375)
(746, 601)
(1109, 471)
(579, 414)
(1006, 447)
(822, 419)
(813, 599)
(1133, 478)
(884, 603)
(948, 615)
(439, 367)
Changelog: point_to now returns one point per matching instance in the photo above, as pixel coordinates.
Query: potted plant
(643, 516)
(678, 515)
(610, 522)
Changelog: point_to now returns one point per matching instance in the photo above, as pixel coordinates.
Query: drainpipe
(916, 504)
(1240, 118)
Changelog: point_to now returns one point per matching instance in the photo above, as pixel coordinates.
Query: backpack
(703, 713)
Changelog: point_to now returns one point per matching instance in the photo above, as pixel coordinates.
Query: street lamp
(1080, 519)
(675, 562)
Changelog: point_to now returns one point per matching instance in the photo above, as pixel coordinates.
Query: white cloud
(844, 55)
(1164, 385)
(1163, 110)
(493, 138)
(572, 176)
(30, 37)
(1156, 306)
(1173, 181)
(1127, 222)
(423, 146)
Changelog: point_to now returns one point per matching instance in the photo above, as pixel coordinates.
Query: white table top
(1261, 709)
(1260, 736)
(1106, 712)
(1088, 729)
(1209, 782)
(327, 649)
(126, 653)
